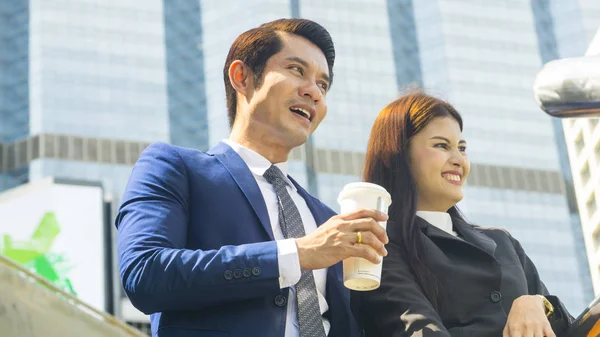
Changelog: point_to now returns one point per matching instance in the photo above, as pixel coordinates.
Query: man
(224, 243)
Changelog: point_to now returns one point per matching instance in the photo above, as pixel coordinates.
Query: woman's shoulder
(493, 231)
(501, 236)
(490, 229)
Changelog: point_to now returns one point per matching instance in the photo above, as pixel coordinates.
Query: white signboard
(57, 230)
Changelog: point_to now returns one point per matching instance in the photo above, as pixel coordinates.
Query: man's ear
(240, 77)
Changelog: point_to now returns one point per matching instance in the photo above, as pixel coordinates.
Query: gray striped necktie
(309, 314)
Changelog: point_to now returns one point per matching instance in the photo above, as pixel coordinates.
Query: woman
(443, 276)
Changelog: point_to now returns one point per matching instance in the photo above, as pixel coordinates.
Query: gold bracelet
(548, 307)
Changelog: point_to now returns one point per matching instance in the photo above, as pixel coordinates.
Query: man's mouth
(301, 112)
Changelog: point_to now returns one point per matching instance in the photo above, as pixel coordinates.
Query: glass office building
(85, 85)
(93, 82)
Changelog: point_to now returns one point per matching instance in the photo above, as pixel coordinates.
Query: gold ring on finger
(358, 237)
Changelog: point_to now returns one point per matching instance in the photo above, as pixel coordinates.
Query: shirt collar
(441, 220)
(258, 164)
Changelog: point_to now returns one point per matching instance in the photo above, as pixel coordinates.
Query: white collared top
(441, 220)
(287, 251)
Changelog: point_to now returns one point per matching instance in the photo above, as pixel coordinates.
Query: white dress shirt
(440, 220)
(287, 251)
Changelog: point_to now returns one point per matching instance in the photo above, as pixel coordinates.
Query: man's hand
(337, 239)
(527, 318)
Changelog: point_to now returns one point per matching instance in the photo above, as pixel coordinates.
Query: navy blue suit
(196, 248)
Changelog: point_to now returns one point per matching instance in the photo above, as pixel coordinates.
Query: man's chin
(297, 139)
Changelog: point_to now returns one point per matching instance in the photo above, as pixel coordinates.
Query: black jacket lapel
(474, 236)
(468, 234)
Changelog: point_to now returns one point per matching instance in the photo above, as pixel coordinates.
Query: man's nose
(312, 91)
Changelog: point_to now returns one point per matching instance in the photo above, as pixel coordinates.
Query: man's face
(290, 103)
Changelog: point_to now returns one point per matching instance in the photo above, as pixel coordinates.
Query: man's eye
(298, 69)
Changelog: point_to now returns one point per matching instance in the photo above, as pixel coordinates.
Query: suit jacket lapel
(434, 232)
(474, 237)
(246, 181)
(466, 231)
(315, 207)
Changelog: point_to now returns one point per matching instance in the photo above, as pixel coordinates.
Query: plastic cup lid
(363, 187)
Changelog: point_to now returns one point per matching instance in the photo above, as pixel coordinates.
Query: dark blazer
(482, 272)
(196, 248)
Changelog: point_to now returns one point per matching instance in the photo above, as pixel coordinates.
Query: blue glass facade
(98, 69)
(14, 86)
(185, 74)
(405, 46)
(14, 70)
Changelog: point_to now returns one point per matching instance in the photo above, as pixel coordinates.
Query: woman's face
(439, 164)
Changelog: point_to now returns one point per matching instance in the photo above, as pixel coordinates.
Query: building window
(63, 146)
(105, 151)
(591, 206)
(597, 239)
(20, 153)
(77, 148)
(120, 154)
(349, 167)
(48, 146)
(579, 144)
(92, 149)
(10, 159)
(35, 147)
(133, 152)
(585, 174)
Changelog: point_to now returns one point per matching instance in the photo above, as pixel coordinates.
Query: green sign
(35, 254)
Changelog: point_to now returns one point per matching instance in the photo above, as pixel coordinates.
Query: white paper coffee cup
(359, 273)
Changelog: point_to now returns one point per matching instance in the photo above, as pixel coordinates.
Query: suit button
(228, 275)
(280, 301)
(496, 296)
(237, 273)
(247, 272)
(256, 271)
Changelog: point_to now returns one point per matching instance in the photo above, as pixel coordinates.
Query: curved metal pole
(570, 88)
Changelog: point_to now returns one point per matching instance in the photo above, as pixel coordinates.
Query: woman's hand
(527, 318)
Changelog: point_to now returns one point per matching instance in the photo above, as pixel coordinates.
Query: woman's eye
(462, 148)
(442, 145)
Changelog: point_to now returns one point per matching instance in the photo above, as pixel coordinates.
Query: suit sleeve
(561, 319)
(157, 272)
(398, 307)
